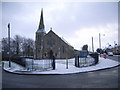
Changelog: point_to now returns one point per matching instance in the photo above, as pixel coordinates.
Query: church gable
(53, 42)
(52, 35)
(49, 39)
(52, 39)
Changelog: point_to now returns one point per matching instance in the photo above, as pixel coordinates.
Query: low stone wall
(19, 60)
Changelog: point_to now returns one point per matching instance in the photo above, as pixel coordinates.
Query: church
(50, 44)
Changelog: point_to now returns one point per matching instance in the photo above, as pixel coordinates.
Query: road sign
(83, 54)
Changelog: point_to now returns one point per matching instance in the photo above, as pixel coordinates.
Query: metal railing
(38, 65)
(85, 62)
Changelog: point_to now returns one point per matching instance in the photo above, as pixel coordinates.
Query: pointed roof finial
(41, 24)
(51, 29)
(8, 25)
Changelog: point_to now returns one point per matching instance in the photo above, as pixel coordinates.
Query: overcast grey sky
(77, 22)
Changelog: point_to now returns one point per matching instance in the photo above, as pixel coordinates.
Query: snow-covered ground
(61, 67)
(116, 55)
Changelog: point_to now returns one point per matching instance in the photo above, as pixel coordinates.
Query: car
(110, 53)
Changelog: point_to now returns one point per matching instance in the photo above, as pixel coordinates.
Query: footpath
(61, 67)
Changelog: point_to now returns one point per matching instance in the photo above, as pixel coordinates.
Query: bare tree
(5, 46)
(28, 46)
(85, 47)
(18, 46)
(18, 40)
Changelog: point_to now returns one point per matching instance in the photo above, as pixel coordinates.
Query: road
(107, 78)
(116, 58)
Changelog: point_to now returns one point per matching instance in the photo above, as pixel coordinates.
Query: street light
(92, 45)
(9, 43)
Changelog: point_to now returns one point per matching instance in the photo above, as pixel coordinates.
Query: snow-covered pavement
(61, 67)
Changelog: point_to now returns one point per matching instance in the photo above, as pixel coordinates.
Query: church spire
(41, 24)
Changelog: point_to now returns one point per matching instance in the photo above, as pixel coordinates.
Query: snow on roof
(66, 41)
(40, 30)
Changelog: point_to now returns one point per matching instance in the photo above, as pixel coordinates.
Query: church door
(50, 54)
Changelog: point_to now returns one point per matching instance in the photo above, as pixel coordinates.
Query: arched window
(62, 49)
(51, 42)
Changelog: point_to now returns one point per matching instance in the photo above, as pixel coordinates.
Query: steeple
(41, 24)
(40, 38)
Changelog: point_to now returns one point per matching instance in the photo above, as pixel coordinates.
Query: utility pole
(92, 45)
(99, 41)
(9, 43)
(115, 46)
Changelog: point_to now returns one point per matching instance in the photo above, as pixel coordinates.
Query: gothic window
(62, 49)
(51, 42)
(55, 54)
(47, 42)
(40, 37)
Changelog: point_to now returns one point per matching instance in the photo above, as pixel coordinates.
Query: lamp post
(100, 39)
(9, 43)
(100, 42)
